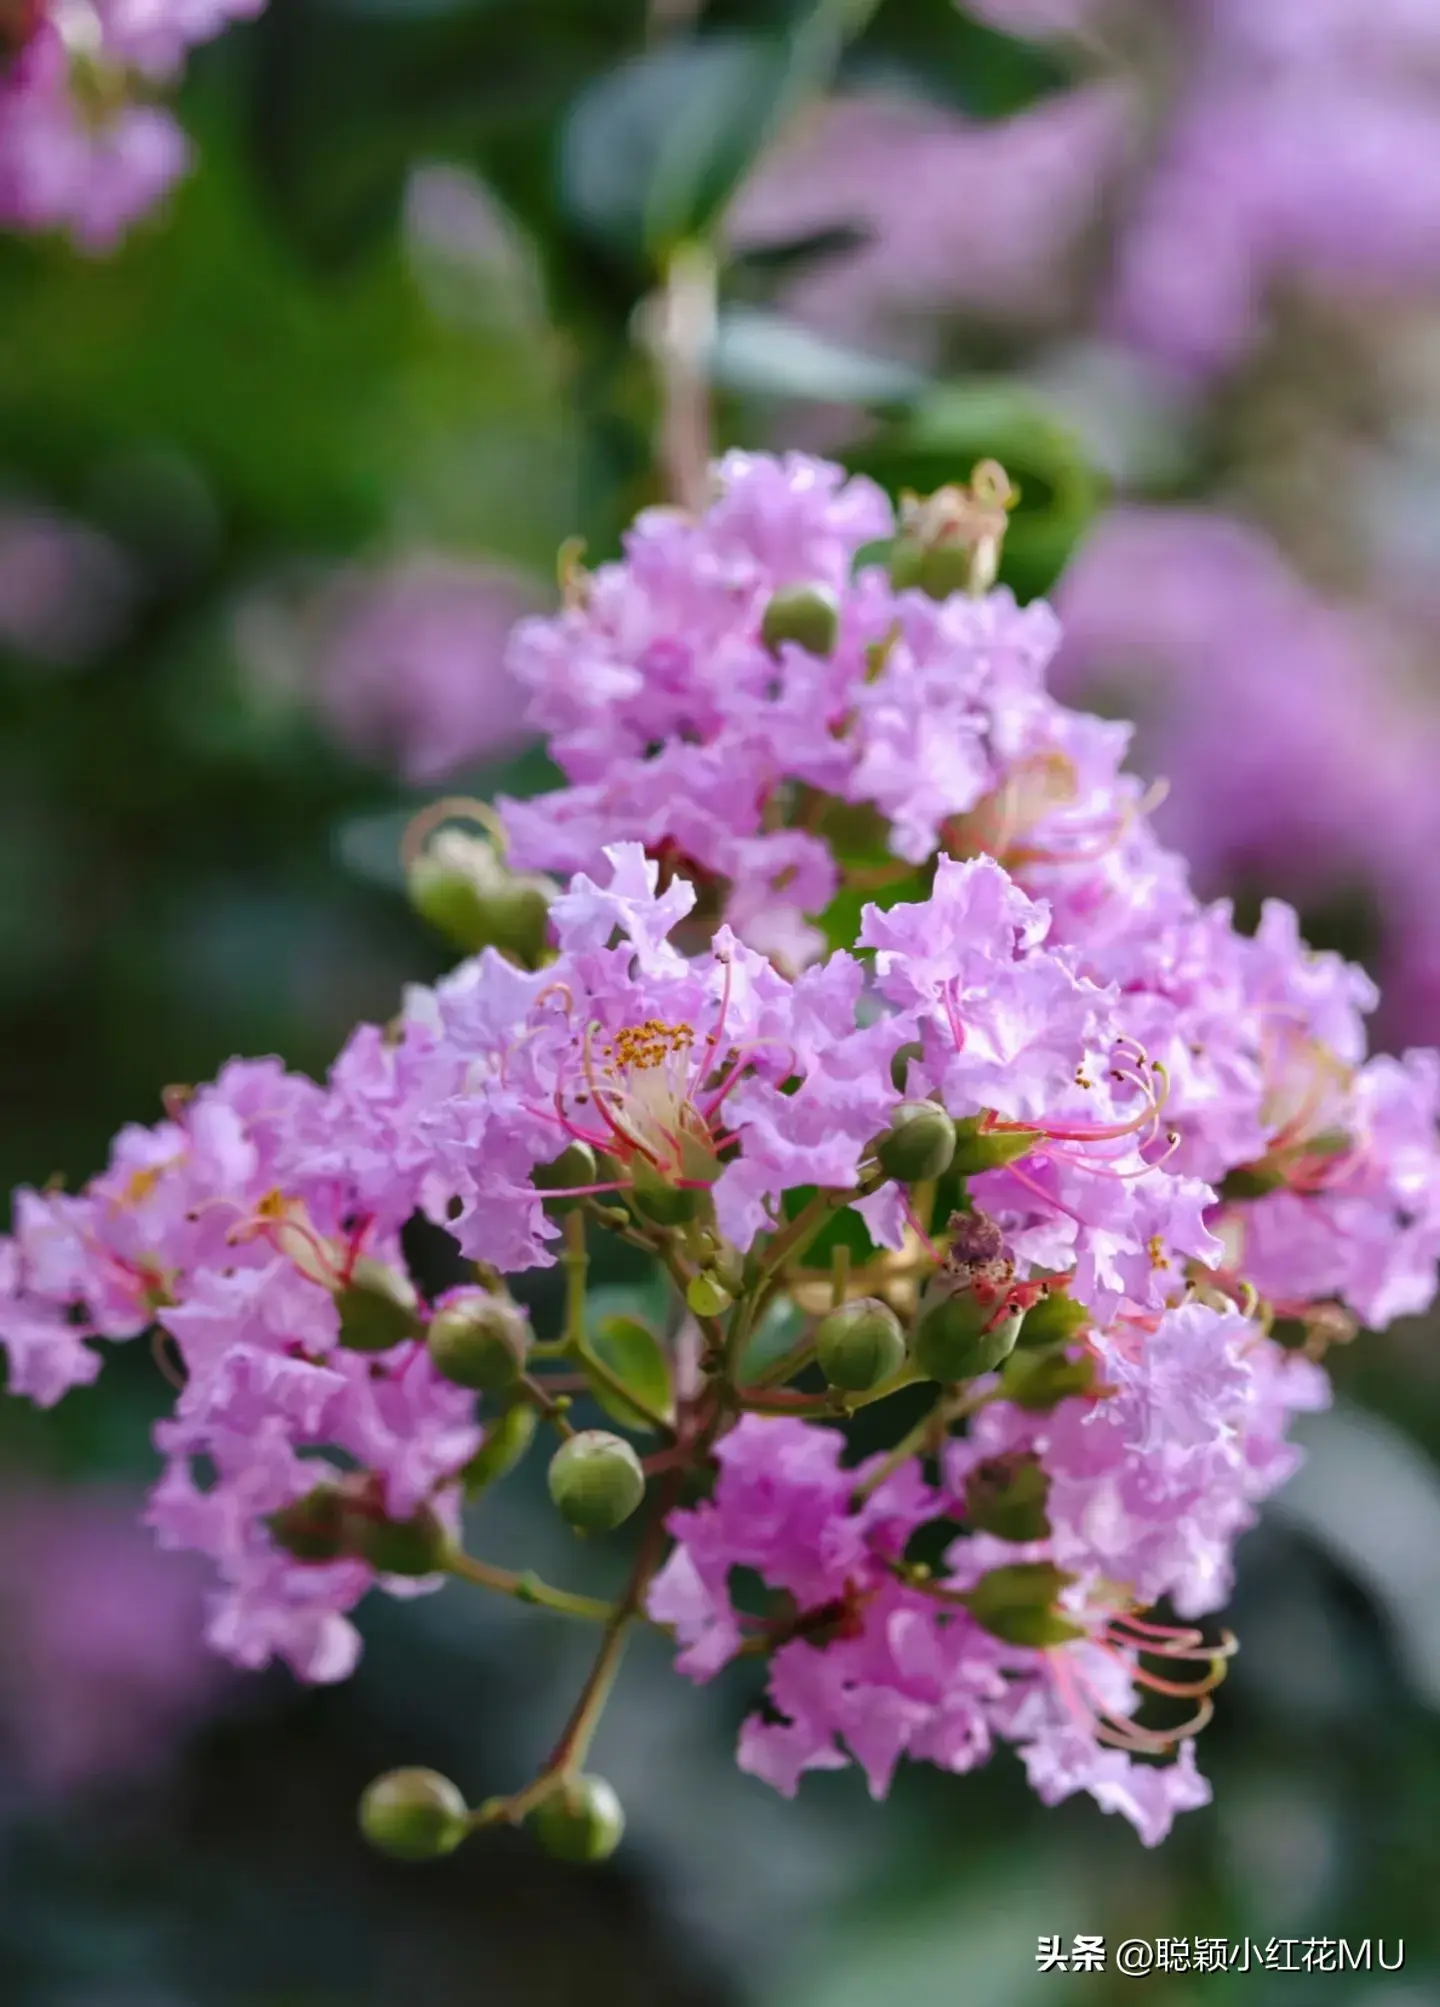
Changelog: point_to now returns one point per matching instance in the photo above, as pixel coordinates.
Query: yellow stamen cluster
(642, 1046)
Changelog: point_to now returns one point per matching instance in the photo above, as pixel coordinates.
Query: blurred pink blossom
(102, 1667)
(64, 588)
(410, 667)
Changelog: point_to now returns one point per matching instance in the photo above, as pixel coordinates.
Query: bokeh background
(273, 482)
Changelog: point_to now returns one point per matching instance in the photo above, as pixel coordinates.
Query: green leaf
(636, 1358)
(652, 151)
(765, 355)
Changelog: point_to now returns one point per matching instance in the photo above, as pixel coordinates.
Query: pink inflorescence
(80, 148)
(812, 883)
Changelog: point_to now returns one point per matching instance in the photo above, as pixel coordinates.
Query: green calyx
(582, 1821)
(575, 1166)
(596, 1481)
(479, 1343)
(378, 1308)
(657, 1199)
(860, 1345)
(978, 1149)
(346, 1521)
(413, 1815)
(959, 1336)
(1054, 1320)
(1017, 1604)
(1006, 1496)
(919, 1144)
(807, 615)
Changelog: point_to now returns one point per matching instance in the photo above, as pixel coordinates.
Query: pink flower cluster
(1167, 1125)
(80, 150)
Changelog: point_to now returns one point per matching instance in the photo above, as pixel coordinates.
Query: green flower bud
(658, 1199)
(919, 1143)
(461, 887)
(378, 1308)
(507, 1438)
(581, 1821)
(1251, 1181)
(413, 1815)
(312, 1528)
(1006, 1496)
(961, 1336)
(479, 1342)
(575, 1165)
(939, 571)
(707, 1296)
(415, 1546)
(977, 1151)
(595, 1480)
(1038, 1381)
(808, 615)
(860, 1345)
(1018, 1604)
(1054, 1320)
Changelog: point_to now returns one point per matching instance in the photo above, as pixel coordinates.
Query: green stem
(928, 1433)
(528, 1588)
(576, 1263)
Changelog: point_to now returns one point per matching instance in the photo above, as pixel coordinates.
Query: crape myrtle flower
(865, 992)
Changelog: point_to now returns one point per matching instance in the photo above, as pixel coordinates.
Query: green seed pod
(574, 1166)
(1054, 1320)
(467, 894)
(977, 1150)
(507, 1438)
(378, 1308)
(479, 1342)
(808, 615)
(957, 1338)
(312, 1528)
(919, 1143)
(582, 1821)
(658, 1199)
(595, 1480)
(860, 1345)
(413, 1815)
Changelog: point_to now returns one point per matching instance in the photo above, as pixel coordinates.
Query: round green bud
(312, 1528)
(595, 1480)
(659, 1200)
(860, 1345)
(378, 1308)
(414, 1546)
(955, 1338)
(581, 1821)
(706, 1295)
(808, 615)
(939, 570)
(919, 1143)
(479, 1342)
(463, 889)
(574, 1166)
(413, 1815)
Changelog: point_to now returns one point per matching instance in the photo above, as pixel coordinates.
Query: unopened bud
(463, 889)
(312, 1528)
(413, 1815)
(1017, 1604)
(507, 1438)
(1006, 1496)
(919, 1143)
(860, 1345)
(582, 1820)
(808, 615)
(1039, 1381)
(664, 1203)
(479, 1341)
(959, 1336)
(596, 1481)
(575, 1167)
(1054, 1320)
(978, 1149)
(706, 1295)
(378, 1308)
(415, 1546)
